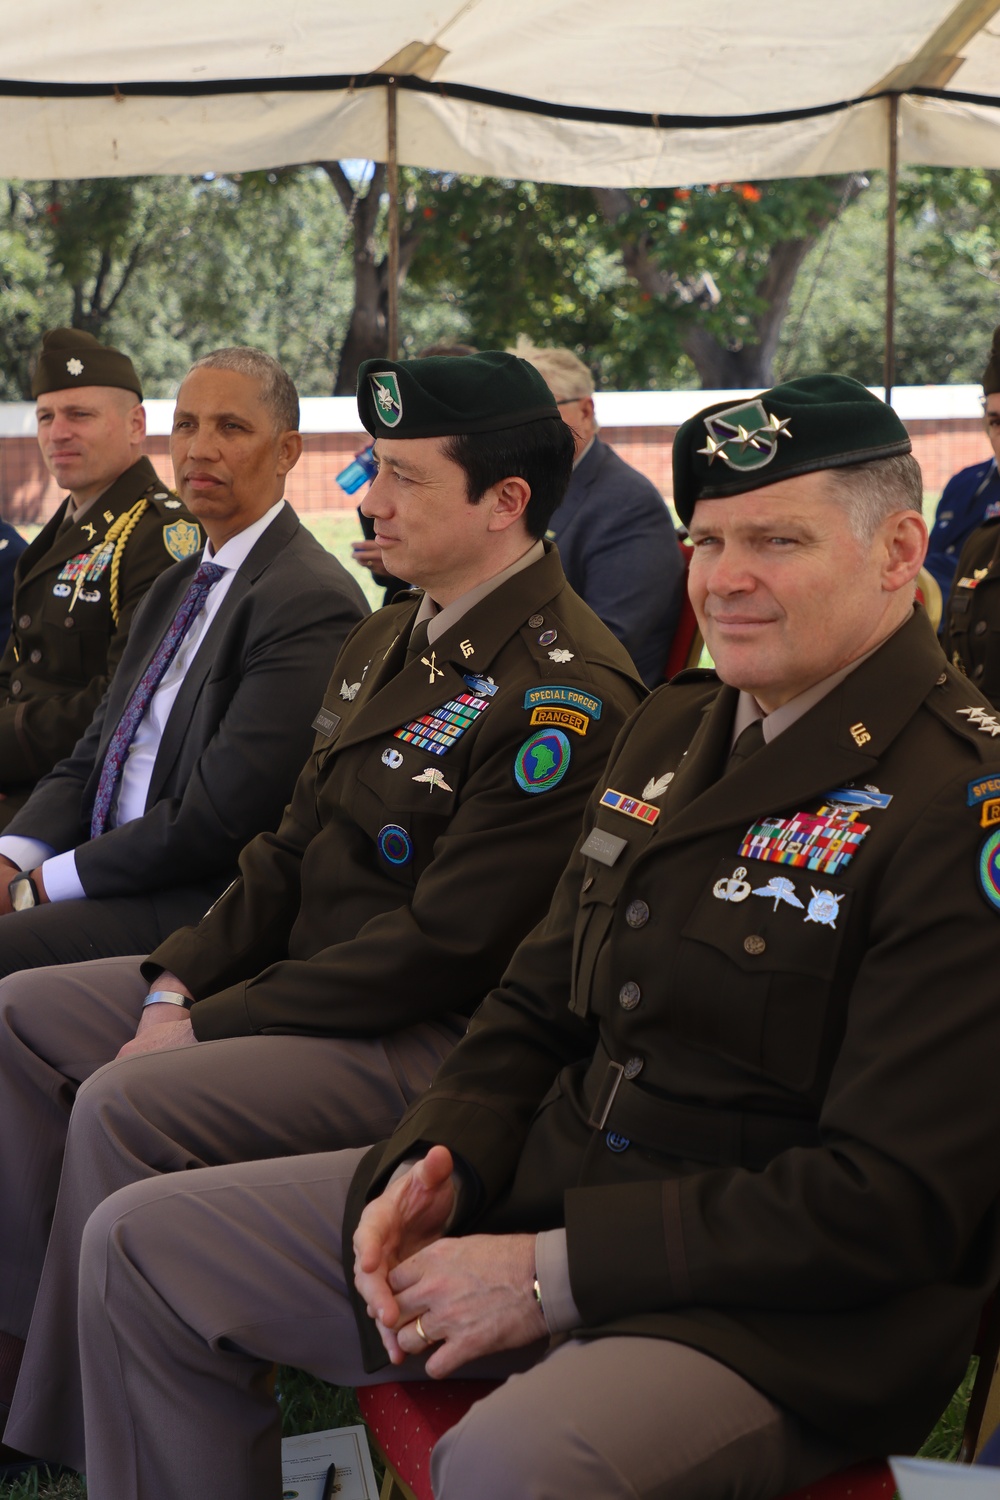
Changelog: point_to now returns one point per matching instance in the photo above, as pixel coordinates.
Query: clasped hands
(471, 1295)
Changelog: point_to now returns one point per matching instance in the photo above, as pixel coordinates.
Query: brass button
(637, 913)
(979, 628)
(15, 687)
(633, 1067)
(942, 679)
(535, 621)
(23, 622)
(629, 995)
(36, 656)
(754, 944)
(69, 622)
(977, 672)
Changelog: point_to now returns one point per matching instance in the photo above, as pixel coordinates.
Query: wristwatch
(168, 997)
(23, 892)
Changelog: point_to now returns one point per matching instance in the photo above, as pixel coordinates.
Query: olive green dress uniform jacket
(385, 899)
(69, 631)
(971, 634)
(798, 1172)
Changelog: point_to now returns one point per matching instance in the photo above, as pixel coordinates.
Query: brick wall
(28, 494)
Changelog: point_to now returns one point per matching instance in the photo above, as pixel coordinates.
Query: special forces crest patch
(745, 437)
(182, 539)
(385, 389)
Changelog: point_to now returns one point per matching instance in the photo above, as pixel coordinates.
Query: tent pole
(392, 183)
(889, 368)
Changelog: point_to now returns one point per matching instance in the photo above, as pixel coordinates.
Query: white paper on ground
(927, 1479)
(306, 1459)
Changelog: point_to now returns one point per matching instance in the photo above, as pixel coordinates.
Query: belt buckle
(606, 1095)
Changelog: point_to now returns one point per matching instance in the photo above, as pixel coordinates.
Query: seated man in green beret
(78, 583)
(716, 1162)
(460, 737)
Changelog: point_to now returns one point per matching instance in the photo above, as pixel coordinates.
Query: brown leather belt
(722, 1137)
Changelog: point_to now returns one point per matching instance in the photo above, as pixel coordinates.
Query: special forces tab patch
(542, 761)
(181, 539)
(569, 697)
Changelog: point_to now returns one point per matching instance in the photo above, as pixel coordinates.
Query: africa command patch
(989, 869)
(181, 539)
(542, 761)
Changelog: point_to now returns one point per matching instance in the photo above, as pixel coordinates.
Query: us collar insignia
(630, 806)
(745, 436)
(438, 730)
(387, 398)
(822, 844)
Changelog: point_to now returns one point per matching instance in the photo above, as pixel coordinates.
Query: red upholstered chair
(406, 1421)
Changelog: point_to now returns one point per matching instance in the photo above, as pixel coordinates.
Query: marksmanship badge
(387, 398)
(745, 436)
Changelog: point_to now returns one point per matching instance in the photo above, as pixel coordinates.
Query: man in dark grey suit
(616, 541)
(208, 720)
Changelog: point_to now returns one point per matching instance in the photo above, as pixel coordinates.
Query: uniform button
(633, 1067)
(978, 671)
(637, 914)
(588, 883)
(629, 995)
(36, 656)
(69, 622)
(15, 687)
(979, 628)
(754, 944)
(616, 1143)
(24, 622)
(536, 621)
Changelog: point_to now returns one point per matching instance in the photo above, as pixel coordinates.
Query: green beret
(818, 422)
(449, 394)
(991, 376)
(70, 357)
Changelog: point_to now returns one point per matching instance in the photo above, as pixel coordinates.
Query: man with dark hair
(727, 1127)
(78, 583)
(140, 828)
(458, 743)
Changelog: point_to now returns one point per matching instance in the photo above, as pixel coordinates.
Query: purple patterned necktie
(140, 700)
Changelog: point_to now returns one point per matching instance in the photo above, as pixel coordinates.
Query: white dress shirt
(59, 873)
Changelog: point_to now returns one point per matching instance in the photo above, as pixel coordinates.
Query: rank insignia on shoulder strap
(181, 539)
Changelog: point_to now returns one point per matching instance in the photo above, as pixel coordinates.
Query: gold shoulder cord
(119, 534)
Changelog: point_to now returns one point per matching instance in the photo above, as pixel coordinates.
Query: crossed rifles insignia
(745, 436)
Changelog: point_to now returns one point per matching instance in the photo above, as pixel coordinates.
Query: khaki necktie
(418, 642)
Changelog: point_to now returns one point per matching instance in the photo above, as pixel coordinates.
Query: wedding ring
(420, 1332)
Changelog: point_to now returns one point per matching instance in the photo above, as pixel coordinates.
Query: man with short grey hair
(715, 1165)
(615, 537)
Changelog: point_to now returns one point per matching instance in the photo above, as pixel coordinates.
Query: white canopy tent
(625, 93)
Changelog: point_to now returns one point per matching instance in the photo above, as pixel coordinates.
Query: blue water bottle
(359, 471)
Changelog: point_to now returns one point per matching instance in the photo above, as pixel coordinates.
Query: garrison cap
(448, 394)
(991, 375)
(71, 357)
(817, 422)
